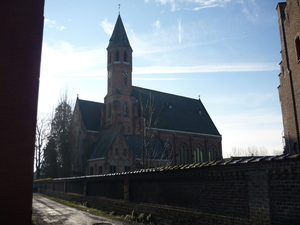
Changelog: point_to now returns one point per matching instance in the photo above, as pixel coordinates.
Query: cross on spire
(119, 8)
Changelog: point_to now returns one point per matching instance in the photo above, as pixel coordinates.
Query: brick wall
(261, 192)
(289, 89)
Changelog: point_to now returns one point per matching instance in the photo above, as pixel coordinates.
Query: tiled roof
(155, 147)
(119, 36)
(102, 146)
(175, 112)
(91, 114)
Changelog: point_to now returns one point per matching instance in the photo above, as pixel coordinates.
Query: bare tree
(249, 151)
(278, 152)
(151, 146)
(41, 139)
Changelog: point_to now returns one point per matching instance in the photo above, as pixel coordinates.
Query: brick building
(289, 88)
(137, 127)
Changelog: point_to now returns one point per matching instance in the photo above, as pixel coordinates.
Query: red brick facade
(289, 89)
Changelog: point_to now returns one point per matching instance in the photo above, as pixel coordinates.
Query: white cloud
(174, 5)
(60, 27)
(203, 7)
(208, 68)
(49, 23)
(108, 27)
(248, 128)
(52, 23)
(63, 60)
(251, 9)
(156, 25)
(201, 4)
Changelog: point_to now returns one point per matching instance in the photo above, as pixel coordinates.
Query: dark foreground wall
(21, 30)
(246, 191)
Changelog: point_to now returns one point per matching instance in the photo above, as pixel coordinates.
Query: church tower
(118, 101)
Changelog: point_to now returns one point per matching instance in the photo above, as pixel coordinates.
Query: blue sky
(225, 51)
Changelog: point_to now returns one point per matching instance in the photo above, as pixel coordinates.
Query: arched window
(109, 58)
(167, 151)
(125, 109)
(183, 155)
(198, 155)
(125, 57)
(117, 56)
(212, 154)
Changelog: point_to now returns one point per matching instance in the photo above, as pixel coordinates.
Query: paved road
(50, 212)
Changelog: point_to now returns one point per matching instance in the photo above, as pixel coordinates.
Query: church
(135, 127)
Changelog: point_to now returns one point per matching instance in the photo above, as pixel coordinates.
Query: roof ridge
(166, 93)
(83, 100)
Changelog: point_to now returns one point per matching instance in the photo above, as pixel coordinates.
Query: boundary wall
(258, 190)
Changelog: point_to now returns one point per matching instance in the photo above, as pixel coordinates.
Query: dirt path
(47, 211)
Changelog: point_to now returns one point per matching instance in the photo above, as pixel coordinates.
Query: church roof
(155, 147)
(102, 146)
(91, 114)
(119, 36)
(173, 112)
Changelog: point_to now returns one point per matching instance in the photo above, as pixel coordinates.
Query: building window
(127, 168)
(117, 56)
(109, 58)
(95, 168)
(297, 45)
(198, 155)
(100, 170)
(212, 154)
(91, 170)
(167, 154)
(112, 169)
(125, 109)
(124, 151)
(117, 151)
(125, 57)
(129, 130)
(183, 155)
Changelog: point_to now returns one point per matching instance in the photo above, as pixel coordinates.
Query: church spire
(119, 36)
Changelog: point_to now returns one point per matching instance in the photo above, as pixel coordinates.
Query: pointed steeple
(119, 36)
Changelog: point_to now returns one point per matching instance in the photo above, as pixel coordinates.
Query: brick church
(289, 88)
(136, 127)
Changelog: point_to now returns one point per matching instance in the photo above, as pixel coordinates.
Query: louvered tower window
(117, 56)
(125, 57)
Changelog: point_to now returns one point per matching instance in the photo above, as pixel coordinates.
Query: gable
(102, 146)
(91, 114)
(176, 113)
